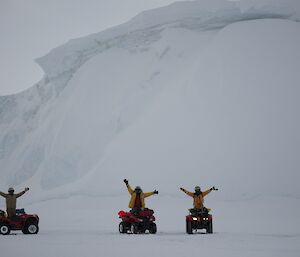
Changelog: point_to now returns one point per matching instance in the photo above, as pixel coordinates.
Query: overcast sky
(31, 28)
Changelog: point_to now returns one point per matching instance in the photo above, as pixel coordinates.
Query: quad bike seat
(146, 212)
(201, 211)
(15, 218)
(142, 213)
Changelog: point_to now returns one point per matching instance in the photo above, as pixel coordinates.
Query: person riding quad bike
(11, 201)
(198, 197)
(199, 217)
(137, 200)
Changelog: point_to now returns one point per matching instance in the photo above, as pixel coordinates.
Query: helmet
(11, 190)
(138, 190)
(197, 189)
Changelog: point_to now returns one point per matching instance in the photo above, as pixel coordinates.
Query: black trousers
(135, 210)
(202, 210)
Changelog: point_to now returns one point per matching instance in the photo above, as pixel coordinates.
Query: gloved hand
(155, 192)
(26, 189)
(125, 181)
(213, 188)
(182, 189)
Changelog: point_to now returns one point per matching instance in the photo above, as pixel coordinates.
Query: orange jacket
(133, 196)
(198, 199)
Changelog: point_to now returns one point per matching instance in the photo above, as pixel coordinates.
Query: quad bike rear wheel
(4, 229)
(134, 228)
(189, 229)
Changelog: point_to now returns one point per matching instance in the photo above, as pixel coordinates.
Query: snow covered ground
(197, 93)
(88, 225)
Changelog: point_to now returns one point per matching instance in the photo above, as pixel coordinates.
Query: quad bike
(137, 222)
(199, 219)
(28, 223)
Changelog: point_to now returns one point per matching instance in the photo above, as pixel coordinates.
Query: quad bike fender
(128, 217)
(189, 218)
(122, 214)
(199, 218)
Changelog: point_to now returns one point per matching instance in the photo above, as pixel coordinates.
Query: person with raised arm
(11, 201)
(137, 200)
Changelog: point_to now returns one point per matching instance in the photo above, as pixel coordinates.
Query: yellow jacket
(133, 196)
(198, 199)
(11, 199)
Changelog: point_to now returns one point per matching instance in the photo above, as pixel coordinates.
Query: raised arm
(187, 192)
(22, 193)
(208, 191)
(155, 192)
(130, 190)
(3, 194)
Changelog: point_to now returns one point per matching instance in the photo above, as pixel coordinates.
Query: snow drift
(199, 92)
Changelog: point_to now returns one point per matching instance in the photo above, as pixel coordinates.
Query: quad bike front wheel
(189, 228)
(4, 229)
(153, 228)
(122, 227)
(30, 228)
(209, 229)
(134, 228)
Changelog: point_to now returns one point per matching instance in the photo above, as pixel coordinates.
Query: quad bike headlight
(194, 218)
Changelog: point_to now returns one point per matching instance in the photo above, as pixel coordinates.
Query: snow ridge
(62, 62)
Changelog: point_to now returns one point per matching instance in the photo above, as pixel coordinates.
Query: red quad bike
(28, 223)
(139, 223)
(199, 219)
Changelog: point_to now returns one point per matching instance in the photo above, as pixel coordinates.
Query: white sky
(31, 28)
